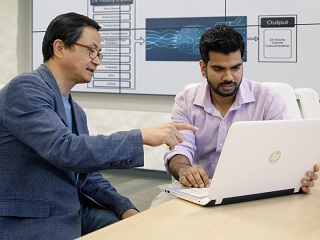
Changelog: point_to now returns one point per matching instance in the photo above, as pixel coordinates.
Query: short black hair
(67, 27)
(220, 38)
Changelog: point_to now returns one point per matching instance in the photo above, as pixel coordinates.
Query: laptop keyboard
(197, 192)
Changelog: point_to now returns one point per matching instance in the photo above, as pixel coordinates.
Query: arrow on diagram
(253, 38)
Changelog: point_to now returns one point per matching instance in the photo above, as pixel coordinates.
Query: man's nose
(97, 60)
(228, 76)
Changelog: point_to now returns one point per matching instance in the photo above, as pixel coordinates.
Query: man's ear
(58, 47)
(203, 69)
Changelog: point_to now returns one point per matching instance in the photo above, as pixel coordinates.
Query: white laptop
(259, 159)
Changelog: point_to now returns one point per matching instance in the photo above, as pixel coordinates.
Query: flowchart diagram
(118, 42)
(151, 47)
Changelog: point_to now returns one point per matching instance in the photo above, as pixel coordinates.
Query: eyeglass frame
(99, 55)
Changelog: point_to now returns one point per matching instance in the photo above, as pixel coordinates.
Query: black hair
(67, 27)
(220, 38)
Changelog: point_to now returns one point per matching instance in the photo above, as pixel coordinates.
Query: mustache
(227, 83)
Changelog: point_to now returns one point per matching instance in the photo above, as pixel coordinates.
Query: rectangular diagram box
(278, 39)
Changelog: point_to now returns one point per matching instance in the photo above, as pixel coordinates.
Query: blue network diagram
(177, 39)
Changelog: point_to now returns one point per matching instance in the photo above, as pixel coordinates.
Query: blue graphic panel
(177, 39)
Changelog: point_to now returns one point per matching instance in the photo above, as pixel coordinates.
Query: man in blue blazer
(50, 187)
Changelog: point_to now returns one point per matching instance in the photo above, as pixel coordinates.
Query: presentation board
(151, 47)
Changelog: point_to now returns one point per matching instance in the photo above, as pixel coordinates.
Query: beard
(221, 93)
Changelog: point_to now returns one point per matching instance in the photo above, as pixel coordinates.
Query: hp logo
(274, 157)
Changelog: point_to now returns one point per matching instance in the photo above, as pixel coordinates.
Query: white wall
(8, 42)
(15, 38)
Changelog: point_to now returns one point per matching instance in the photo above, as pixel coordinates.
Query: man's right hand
(191, 176)
(165, 134)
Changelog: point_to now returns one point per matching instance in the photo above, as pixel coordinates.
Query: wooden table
(289, 217)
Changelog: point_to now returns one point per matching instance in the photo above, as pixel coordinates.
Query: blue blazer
(39, 155)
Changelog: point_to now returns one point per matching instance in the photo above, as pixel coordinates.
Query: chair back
(288, 95)
(308, 100)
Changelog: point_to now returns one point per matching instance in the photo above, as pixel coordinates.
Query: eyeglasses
(93, 53)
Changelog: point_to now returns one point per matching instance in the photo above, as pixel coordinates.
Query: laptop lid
(261, 159)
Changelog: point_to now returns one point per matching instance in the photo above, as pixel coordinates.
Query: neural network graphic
(186, 40)
(177, 39)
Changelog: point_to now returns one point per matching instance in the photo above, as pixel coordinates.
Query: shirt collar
(244, 96)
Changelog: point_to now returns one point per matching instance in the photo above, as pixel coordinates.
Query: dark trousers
(94, 218)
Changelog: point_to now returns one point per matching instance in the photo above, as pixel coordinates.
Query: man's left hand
(307, 183)
(129, 213)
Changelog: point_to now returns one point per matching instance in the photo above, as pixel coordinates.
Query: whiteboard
(150, 47)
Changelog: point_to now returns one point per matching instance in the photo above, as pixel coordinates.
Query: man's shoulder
(29, 85)
(33, 77)
(259, 87)
(192, 91)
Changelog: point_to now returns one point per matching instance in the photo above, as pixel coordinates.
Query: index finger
(185, 126)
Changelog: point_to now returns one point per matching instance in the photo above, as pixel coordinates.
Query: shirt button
(220, 145)
(116, 164)
(123, 163)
